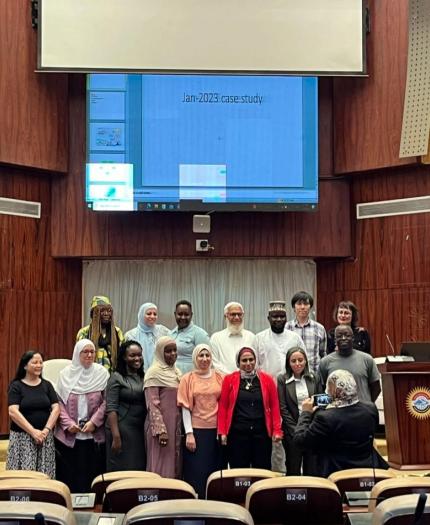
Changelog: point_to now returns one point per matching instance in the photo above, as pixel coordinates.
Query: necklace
(248, 383)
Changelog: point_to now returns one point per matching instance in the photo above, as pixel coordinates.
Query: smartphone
(322, 400)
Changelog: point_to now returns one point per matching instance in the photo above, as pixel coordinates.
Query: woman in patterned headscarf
(341, 435)
(102, 332)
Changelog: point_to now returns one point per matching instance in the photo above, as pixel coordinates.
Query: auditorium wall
(382, 264)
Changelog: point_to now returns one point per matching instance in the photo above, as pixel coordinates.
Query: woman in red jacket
(248, 414)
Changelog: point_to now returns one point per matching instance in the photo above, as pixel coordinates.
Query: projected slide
(196, 141)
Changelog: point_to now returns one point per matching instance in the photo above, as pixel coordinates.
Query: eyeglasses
(235, 314)
(88, 352)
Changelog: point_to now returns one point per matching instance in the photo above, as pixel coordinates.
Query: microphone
(39, 518)
(419, 509)
(391, 345)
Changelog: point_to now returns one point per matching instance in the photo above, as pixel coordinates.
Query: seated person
(341, 435)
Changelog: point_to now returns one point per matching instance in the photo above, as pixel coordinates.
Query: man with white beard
(226, 343)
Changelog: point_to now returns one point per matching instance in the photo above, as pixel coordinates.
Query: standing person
(341, 435)
(102, 331)
(126, 411)
(198, 395)
(226, 343)
(147, 332)
(33, 411)
(187, 335)
(80, 433)
(312, 333)
(273, 344)
(347, 313)
(163, 422)
(294, 386)
(248, 414)
(362, 366)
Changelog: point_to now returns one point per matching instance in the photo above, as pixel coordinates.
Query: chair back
(400, 510)
(100, 483)
(28, 489)
(295, 500)
(52, 369)
(196, 511)
(389, 488)
(231, 485)
(121, 496)
(358, 479)
(32, 474)
(24, 512)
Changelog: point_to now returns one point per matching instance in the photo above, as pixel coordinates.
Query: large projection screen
(324, 37)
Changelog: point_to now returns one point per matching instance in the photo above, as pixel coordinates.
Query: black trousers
(199, 465)
(79, 465)
(249, 448)
(295, 457)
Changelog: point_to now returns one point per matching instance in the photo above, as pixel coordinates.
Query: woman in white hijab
(163, 422)
(80, 433)
(147, 332)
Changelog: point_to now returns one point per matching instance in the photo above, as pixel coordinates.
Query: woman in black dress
(126, 411)
(33, 410)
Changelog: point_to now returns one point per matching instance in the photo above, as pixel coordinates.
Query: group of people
(184, 405)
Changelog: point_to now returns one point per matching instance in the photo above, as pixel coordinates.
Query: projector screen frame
(54, 28)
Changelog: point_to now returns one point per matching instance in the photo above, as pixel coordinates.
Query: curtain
(207, 283)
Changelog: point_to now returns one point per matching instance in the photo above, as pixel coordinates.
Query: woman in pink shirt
(80, 434)
(198, 394)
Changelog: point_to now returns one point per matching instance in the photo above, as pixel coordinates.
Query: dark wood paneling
(33, 107)
(325, 123)
(389, 275)
(40, 297)
(76, 231)
(326, 233)
(368, 111)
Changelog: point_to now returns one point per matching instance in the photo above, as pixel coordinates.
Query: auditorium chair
(400, 510)
(23, 513)
(388, 488)
(32, 474)
(100, 483)
(231, 485)
(295, 500)
(52, 369)
(121, 496)
(29, 489)
(358, 479)
(201, 512)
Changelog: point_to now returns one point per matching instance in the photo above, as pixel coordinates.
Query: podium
(406, 392)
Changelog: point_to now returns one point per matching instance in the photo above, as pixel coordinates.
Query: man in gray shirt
(362, 366)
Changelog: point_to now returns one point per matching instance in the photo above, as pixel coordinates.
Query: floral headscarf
(344, 389)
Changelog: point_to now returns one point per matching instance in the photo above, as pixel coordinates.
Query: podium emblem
(418, 402)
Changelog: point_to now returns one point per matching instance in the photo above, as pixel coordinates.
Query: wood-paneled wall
(388, 276)
(33, 107)
(368, 111)
(40, 297)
